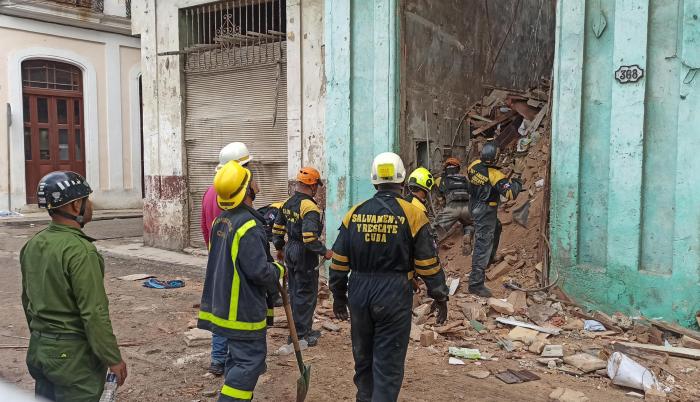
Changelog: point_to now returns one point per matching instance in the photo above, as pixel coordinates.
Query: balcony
(101, 15)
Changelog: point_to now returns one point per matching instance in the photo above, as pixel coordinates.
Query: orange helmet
(453, 162)
(309, 176)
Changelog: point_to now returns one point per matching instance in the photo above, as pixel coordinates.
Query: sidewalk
(136, 249)
(41, 217)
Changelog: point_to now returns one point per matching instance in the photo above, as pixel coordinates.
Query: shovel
(303, 381)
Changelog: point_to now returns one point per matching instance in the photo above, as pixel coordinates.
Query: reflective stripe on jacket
(239, 273)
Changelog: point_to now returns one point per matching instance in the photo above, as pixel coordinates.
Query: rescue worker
(420, 183)
(384, 241)
(72, 343)
(240, 273)
(235, 151)
(270, 212)
(454, 186)
(487, 185)
(300, 220)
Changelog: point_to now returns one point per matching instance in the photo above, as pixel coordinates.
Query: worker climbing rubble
(487, 185)
(72, 343)
(454, 186)
(384, 241)
(300, 220)
(240, 273)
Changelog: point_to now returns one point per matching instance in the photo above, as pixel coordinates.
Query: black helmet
(57, 189)
(489, 153)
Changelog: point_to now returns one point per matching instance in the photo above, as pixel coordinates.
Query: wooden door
(53, 121)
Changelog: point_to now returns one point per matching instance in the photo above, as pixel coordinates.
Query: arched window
(54, 139)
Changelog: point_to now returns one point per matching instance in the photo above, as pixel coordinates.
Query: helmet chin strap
(80, 218)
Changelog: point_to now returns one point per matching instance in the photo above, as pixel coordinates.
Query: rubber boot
(480, 290)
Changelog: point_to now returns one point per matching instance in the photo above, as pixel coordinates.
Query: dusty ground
(162, 368)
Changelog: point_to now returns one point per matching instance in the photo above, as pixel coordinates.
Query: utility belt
(409, 275)
(58, 336)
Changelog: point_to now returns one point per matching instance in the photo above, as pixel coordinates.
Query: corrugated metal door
(246, 104)
(625, 226)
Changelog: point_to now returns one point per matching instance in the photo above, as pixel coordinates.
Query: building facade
(69, 80)
(218, 72)
(624, 208)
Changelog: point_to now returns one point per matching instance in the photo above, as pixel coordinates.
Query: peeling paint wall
(451, 51)
(306, 86)
(625, 223)
(166, 204)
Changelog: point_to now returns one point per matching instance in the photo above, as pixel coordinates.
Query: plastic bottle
(110, 392)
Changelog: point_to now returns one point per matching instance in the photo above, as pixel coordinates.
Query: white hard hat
(235, 151)
(387, 167)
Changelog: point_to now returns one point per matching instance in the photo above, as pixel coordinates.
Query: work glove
(340, 310)
(441, 307)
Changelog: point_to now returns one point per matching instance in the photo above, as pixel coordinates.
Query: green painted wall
(361, 101)
(625, 207)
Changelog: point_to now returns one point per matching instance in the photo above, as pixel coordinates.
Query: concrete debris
(546, 330)
(500, 306)
(427, 338)
(473, 311)
(655, 395)
(327, 325)
(622, 321)
(537, 346)
(574, 324)
(286, 350)
(197, 337)
(567, 395)
(415, 332)
(210, 393)
(518, 299)
(585, 362)
(553, 351)
(539, 183)
(524, 335)
(547, 360)
(455, 361)
(480, 374)
(499, 270)
(688, 342)
(421, 312)
(540, 313)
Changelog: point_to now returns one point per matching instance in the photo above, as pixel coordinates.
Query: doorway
(52, 104)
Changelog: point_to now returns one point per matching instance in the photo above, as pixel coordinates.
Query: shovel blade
(303, 384)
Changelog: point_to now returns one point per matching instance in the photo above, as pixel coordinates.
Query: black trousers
(303, 285)
(245, 362)
(487, 235)
(380, 318)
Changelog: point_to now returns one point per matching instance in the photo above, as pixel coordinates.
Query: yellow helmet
(421, 178)
(231, 184)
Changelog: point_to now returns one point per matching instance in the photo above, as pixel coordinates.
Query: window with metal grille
(233, 33)
(46, 74)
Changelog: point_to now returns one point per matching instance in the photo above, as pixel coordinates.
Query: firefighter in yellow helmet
(420, 182)
(384, 241)
(240, 272)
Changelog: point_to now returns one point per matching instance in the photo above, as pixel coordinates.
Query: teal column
(361, 100)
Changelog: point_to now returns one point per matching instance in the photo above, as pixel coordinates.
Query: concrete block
(500, 306)
(585, 362)
(427, 338)
(524, 335)
(553, 351)
(197, 337)
(499, 270)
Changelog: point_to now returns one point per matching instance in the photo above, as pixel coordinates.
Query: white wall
(101, 56)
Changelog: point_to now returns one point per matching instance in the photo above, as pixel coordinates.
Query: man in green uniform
(64, 299)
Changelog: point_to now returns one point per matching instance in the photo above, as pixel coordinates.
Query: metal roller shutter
(236, 105)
